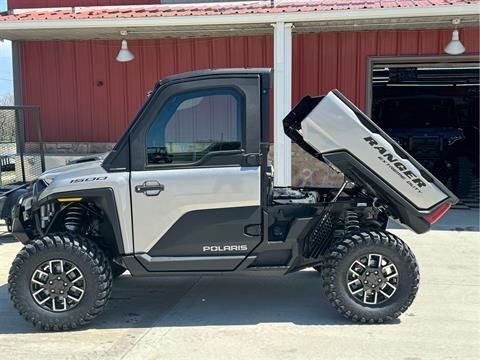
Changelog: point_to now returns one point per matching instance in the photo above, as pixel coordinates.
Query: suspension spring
(74, 217)
(352, 222)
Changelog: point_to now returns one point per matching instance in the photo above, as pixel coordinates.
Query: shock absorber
(74, 217)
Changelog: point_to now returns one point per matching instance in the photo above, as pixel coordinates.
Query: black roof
(118, 157)
(210, 72)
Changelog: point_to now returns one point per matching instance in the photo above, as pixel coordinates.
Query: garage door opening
(432, 110)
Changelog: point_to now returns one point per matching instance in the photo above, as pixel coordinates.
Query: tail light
(437, 214)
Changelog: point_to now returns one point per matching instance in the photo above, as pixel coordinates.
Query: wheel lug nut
(59, 278)
(61, 291)
(373, 286)
(52, 291)
(367, 273)
(365, 282)
(379, 280)
(50, 282)
(376, 272)
(65, 284)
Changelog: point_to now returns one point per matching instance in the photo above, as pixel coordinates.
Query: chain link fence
(21, 147)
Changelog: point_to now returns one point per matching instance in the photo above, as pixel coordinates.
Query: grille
(319, 239)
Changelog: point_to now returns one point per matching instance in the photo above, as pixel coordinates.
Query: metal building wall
(85, 95)
(327, 60)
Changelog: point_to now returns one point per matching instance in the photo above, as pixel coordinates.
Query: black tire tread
(80, 246)
(352, 241)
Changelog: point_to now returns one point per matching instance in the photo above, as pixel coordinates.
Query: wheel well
(92, 215)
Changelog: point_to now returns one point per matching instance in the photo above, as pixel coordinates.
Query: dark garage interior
(432, 110)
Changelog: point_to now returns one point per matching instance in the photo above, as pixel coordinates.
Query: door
(195, 180)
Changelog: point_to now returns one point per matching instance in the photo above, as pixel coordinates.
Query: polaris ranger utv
(188, 190)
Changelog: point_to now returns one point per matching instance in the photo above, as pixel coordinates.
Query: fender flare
(104, 198)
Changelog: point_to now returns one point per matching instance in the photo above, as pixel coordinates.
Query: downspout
(17, 73)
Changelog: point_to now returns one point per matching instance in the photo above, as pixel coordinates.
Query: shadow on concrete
(206, 301)
(6, 238)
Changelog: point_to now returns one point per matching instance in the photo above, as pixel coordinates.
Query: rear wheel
(60, 282)
(370, 277)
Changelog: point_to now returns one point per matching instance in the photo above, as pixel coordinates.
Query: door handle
(150, 188)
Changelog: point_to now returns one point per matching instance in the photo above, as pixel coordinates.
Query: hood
(73, 170)
(72, 177)
(88, 158)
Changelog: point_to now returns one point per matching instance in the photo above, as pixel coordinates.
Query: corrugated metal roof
(231, 8)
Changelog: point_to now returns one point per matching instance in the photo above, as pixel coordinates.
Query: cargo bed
(335, 131)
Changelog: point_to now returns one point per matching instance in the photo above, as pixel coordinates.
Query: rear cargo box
(333, 130)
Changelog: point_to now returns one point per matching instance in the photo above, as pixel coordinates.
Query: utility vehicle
(188, 190)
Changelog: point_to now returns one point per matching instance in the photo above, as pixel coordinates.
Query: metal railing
(22, 157)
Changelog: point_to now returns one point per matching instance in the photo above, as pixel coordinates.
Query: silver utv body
(214, 188)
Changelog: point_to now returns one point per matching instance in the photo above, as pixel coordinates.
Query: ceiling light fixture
(124, 55)
(455, 46)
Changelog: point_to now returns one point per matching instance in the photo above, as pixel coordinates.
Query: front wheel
(370, 277)
(60, 282)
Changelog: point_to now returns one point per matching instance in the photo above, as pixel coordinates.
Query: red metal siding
(32, 4)
(323, 61)
(85, 95)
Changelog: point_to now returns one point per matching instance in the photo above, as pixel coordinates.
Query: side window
(193, 124)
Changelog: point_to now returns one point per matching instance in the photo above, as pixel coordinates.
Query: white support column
(282, 92)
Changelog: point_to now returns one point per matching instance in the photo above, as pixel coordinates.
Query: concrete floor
(266, 317)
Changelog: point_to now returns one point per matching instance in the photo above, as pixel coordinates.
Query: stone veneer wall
(310, 172)
(306, 170)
